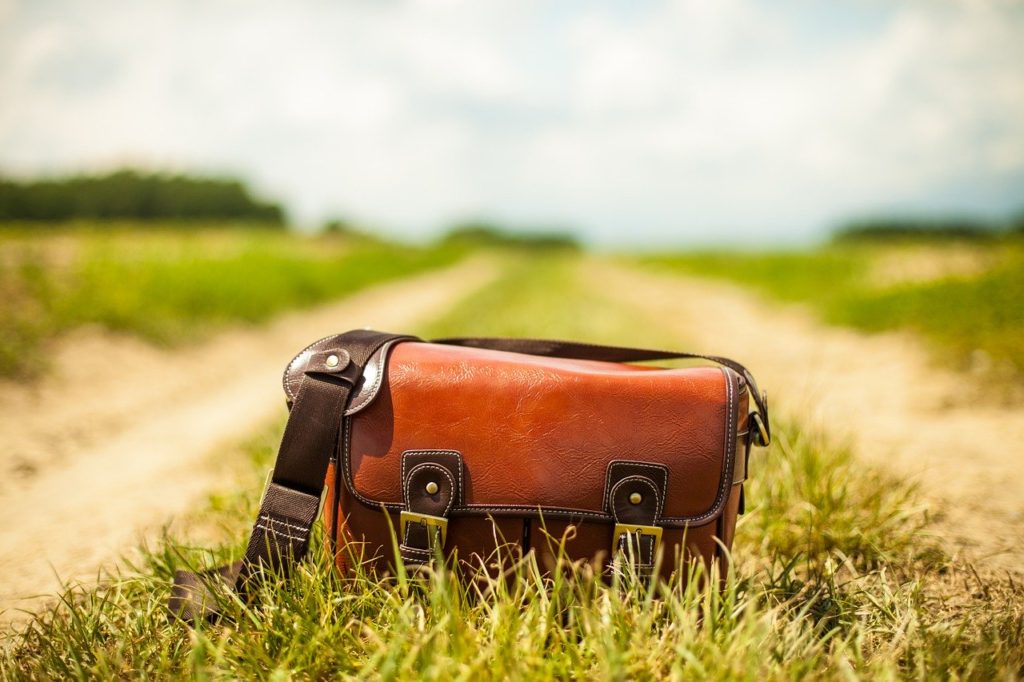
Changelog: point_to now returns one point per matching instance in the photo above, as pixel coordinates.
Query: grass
(965, 297)
(173, 286)
(837, 577)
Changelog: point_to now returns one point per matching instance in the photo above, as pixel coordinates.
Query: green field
(965, 296)
(171, 285)
(838, 577)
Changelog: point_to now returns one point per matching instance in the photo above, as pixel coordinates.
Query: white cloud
(664, 121)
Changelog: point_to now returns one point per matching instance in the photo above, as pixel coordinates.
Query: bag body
(522, 450)
(462, 446)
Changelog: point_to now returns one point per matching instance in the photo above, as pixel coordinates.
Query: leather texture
(591, 351)
(539, 433)
(542, 443)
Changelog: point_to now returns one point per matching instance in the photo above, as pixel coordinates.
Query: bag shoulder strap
(291, 501)
(591, 351)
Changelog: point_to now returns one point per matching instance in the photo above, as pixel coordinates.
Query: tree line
(134, 195)
(490, 234)
(910, 228)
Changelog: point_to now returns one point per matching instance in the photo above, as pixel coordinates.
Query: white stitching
(383, 350)
(730, 449)
(351, 409)
(408, 548)
(289, 367)
(271, 519)
(608, 478)
(559, 511)
(449, 453)
(281, 533)
(429, 465)
(644, 479)
(607, 483)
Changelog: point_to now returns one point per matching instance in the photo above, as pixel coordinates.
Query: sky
(631, 123)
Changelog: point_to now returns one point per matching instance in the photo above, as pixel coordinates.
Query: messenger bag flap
(537, 435)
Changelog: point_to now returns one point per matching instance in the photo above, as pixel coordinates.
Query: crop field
(842, 569)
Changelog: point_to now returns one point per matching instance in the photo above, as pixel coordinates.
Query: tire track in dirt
(117, 438)
(883, 394)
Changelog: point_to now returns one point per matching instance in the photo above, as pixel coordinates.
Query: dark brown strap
(290, 505)
(431, 487)
(590, 351)
(635, 495)
(635, 547)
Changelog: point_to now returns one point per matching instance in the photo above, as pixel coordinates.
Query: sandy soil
(883, 394)
(117, 439)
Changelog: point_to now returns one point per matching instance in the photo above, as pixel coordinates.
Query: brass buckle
(762, 430)
(427, 520)
(631, 529)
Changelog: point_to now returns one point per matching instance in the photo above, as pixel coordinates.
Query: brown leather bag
(459, 444)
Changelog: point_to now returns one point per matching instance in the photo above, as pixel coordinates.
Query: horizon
(661, 124)
(924, 222)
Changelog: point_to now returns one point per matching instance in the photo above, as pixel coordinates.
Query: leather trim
(373, 375)
(732, 388)
(640, 550)
(450, 460)
(622, 512)
(367, 388)
(292, 376)
(622, 468)
(421, 470)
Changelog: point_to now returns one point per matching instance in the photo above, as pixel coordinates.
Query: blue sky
(632, 122)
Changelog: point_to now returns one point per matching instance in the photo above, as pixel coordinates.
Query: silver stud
(332, 361)
(432, 488)
(636, 498)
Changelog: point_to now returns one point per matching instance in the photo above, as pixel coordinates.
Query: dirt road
(882, 393)
(113, 441)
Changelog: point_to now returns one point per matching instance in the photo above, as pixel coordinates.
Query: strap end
(196, 596)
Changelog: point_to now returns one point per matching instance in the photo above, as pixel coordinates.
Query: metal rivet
(432, 488)
(636, 498)
(332, 361)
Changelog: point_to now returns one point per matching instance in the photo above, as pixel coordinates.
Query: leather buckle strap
(431, 487)
(436, 527)
(635, 496)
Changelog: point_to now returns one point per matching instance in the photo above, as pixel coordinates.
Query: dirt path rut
(113, 441)
(880, 393)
